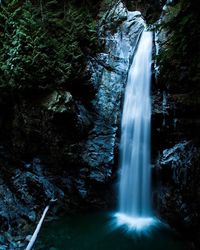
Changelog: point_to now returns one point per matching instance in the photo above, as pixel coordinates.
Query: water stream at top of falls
(135, 204)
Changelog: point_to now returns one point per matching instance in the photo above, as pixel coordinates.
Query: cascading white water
(135, 204)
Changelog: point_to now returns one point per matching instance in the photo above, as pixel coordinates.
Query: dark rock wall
(176, 151)
(150, 9)
(176, 168)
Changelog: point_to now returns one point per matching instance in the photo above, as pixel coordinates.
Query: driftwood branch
(34, 236)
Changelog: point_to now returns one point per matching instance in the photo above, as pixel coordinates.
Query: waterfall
(135, 204)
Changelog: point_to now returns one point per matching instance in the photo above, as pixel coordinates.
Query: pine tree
(44, 44)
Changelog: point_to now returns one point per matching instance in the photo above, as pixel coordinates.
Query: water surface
(99, 232)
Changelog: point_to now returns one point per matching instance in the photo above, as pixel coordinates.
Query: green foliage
(19, 43)
(43, 44)
(180, 55)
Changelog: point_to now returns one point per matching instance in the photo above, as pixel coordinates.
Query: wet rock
(179, 159)
(2, 239)
(28, 237)
(97, 176)
(3, 247)
(58, 101)
(83, 119)
(23, 194)
(119, 33)
(32, 216)
(80, 185)
(178, 198)
(150, 9)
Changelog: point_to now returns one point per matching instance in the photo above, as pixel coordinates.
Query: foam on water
(135, 223)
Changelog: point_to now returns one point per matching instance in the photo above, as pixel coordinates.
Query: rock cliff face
(119, 33)
(176, 171)
(176, 180)
(175, 141)
(60, 145)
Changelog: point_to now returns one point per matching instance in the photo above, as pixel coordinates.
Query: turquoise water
(99, 232)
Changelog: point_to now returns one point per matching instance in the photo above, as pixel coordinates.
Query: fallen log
(39, 225)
